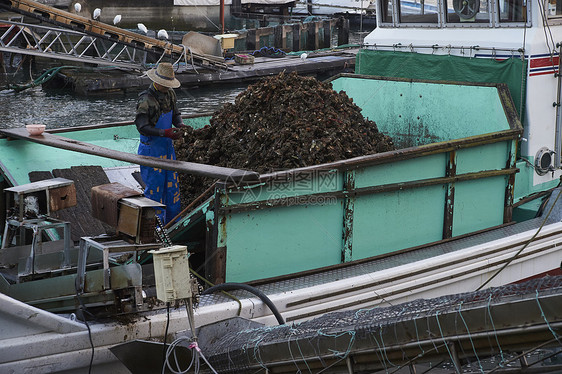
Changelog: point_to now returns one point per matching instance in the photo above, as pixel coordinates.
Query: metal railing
(69, 45)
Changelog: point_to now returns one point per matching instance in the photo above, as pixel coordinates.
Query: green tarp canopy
(511, 71)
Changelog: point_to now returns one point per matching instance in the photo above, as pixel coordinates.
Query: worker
(157, 114)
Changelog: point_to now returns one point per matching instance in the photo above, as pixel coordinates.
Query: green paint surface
(415, 169)
(486, 157)
(478, 204)
(302, 184)
(21, 156)
(282, 240)
(391, 221)
(197, 122)
(416, 113)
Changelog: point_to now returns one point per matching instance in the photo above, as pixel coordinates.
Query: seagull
(97, 13)
(162, 34)
(117, 19)
(303, 56)
(142, 28)
(77, 7)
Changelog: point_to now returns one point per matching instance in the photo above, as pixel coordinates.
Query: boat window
(468, 11)
(386, 10)
(554, 8)
(461, 13)
(418, 11)
(511, 10)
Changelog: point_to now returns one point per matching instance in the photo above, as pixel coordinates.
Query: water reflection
(65, 109)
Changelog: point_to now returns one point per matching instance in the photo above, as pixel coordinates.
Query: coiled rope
(43, 78)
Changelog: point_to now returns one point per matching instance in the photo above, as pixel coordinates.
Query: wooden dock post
(279, 37)
(313, 37)
(343, 31)
(252, 40)
(2, 67)
(327, 26)
(296, 37)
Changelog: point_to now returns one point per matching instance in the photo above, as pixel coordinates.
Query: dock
(321, 64)
(104, 58)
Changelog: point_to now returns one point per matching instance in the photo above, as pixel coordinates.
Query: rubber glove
(172, 133)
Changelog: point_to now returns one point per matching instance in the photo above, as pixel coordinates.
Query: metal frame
(106, 245)
(114, 37)
(65, 44)
(38, 226)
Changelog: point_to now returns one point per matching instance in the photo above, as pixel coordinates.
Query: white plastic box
(171, 271)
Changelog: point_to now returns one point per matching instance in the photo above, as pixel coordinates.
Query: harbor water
(57, 109)
(65, 109)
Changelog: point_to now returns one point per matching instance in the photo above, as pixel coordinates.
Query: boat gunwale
(104, 125)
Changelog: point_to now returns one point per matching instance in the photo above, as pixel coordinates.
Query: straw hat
(164, 75)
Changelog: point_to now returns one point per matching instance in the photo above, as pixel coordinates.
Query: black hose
(236, 286)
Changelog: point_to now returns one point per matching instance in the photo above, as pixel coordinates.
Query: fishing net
(477, 322)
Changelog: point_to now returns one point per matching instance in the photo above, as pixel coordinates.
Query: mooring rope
(43, 78)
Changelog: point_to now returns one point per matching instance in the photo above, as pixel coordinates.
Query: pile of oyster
(282, 122)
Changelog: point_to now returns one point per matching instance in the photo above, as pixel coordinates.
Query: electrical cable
(191, 342)
(235, 286)
(91, 341)
(81, 312)
(524, 246)
(212, 285)
(166, 332)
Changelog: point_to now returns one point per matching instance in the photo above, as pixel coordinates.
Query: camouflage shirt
(150, 105)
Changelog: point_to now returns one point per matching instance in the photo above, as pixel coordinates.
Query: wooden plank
(128, 220)
(63, 197)
(211, 171)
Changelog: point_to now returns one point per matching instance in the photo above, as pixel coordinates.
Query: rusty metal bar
(211, 171)
(450, 171)
(348, 209)
(215, 251)
(367, 190)
(537, 195)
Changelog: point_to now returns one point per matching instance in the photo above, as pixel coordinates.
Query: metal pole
(221, 16)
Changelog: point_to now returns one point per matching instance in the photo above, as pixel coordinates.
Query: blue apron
(161, 185)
